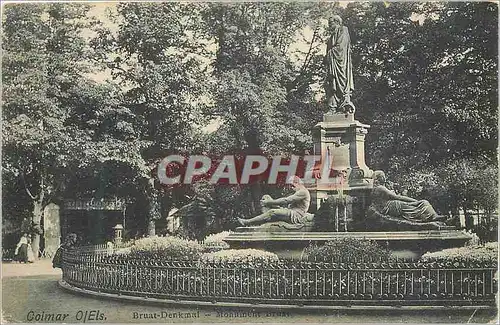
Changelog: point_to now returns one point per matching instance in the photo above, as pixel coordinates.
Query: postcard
(249, 162)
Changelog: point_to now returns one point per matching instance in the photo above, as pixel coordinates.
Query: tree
(401, 68)
(62, 130)
(45, 57)
(429, 73)
(467, 184)
(161, 71)
(260, 92)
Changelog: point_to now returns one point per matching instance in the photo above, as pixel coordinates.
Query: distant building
(92, 220)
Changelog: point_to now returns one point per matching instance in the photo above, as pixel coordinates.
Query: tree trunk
(36, 219)
(253, 142)
(153, 210)
(151, 228)
(469, 220)
(256, 193)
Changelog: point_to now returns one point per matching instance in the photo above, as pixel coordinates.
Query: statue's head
(72, 238)
(378, 177)
(295, 181)
(335, 20)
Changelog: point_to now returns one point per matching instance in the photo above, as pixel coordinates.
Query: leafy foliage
(429, 72)
(449, 46)
(215, 242)
(469, 183)
(475, 253)
(347, 249)
(253, 74)
(247, 258)
(160, 75)
(166, 247)
(44, 66)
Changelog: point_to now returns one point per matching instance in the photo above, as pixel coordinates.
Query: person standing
(21, 252)
(68, 243)
(31, 254)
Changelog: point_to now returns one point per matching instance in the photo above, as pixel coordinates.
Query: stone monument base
(280, 226)
(408, 244)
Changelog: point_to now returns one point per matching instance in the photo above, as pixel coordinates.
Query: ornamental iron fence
(287, 282)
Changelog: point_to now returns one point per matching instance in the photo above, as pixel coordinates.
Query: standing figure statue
(339, 82)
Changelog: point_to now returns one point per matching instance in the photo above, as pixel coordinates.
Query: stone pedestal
(52, 229)
(340, 199)
(410, 244)
(340, 141)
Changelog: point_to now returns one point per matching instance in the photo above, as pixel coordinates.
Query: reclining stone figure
(400, 211)
(291, 209)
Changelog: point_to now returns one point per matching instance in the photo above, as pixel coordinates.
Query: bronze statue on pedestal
(339, 81)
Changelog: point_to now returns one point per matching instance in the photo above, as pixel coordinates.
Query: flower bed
(215, 242)
(246, 258)
(348, 249)
(165, 247)
(472, 253)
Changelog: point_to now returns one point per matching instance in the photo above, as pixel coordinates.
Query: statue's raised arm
(339, 82)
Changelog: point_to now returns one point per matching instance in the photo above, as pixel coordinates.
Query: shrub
(166, 247)
(347, 249)
(123, 251)
(215, 242)
(474, 241)
(241, 257)
(472, 253)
